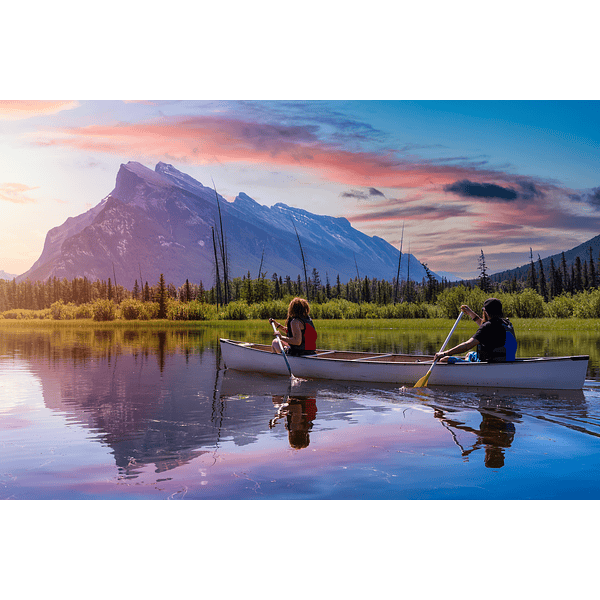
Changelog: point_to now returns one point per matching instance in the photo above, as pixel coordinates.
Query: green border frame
(316, 50)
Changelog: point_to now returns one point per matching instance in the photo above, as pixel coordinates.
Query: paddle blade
(423, 381)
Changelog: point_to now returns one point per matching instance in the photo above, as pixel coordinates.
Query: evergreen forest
(562, 292)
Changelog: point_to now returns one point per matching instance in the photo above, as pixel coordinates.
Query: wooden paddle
(287, 362)
(423, 381)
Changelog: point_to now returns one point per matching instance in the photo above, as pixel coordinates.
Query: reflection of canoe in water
(239, 384)
(566, 372)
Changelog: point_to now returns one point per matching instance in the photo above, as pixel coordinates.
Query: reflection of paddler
(496, 433)
(299, 415)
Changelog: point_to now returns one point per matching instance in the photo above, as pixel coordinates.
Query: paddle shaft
(287, 362)
(423, 380)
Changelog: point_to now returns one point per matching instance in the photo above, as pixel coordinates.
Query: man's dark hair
(493, 307)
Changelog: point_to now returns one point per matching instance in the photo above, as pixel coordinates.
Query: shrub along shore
(526, 304)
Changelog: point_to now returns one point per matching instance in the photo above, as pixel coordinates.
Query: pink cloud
(207, 139)
(15, 110)
(16, 193)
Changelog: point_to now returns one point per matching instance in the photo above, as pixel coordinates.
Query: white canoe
(559, 373)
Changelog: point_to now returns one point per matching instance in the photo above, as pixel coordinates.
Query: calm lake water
(111, 413)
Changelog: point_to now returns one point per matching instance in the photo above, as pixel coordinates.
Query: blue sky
(462, 176)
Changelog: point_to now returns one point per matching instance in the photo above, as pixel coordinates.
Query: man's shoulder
(486, 325)
(485, 329)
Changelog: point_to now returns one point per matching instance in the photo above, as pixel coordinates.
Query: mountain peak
(245, 199)
(132, 177)
(143, 172)
(181, 180)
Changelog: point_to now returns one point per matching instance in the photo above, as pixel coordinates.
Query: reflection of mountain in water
(153, 398)
(150, 397)
(144, 414)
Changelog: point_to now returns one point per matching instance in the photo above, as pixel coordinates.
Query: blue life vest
(510, 345)
(504, 353)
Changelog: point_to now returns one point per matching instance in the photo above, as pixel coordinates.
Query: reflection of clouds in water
(19, 387)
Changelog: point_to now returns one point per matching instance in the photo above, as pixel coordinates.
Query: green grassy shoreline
(541, 324)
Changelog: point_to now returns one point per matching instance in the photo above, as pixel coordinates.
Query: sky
(458, 176)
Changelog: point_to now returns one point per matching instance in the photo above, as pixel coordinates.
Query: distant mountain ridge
(5, 275)
(582, 251)
(161, 221)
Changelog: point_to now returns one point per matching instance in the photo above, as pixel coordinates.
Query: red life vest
(309, 336)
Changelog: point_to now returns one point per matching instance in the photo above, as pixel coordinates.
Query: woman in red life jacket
(301, 335)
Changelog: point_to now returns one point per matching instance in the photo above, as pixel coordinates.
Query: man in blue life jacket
(495, 339)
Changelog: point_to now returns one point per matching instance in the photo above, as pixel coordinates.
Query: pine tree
(276, 286)
(75, 290)
(430, 290)
(542, 281)
(531, 276)
(566, 284)
(366, 290)
(161, 298)
(555, 280)
(578, 276)
(484, 278)
(315, 282)
(248, 289)
(592, 269)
